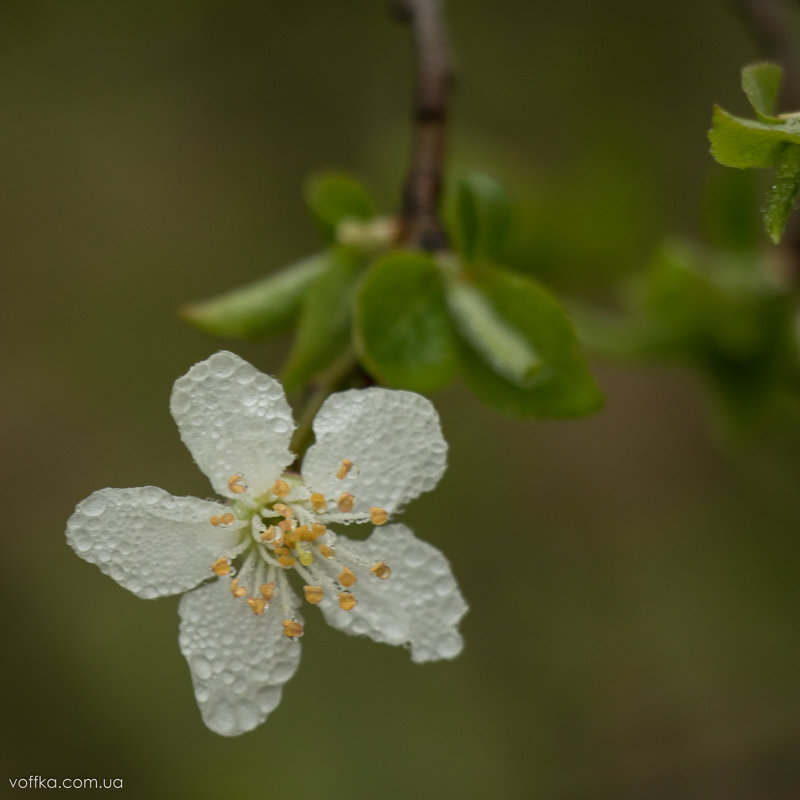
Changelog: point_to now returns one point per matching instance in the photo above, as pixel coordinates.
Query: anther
(280, 488)
(346, 601)
(222, 566)
(267, 590)
(236, 590)
(286, 561)
(347, 577)
(269, 535)
(257, 605)
(286, 525)
(313, 594)
(345, 502)
(292, 629)
(381, 570)
(283, 510)
(318, 502)
(305, 558)
(378, 515)
(325, 551)
(222, 519)
(236, 484)
(317, 529)
(303, 533)
(346, 466)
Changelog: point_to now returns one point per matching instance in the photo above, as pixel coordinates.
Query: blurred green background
(634, 623)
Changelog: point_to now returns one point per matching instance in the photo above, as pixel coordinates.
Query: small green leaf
(402, 327)
(333, 197)
(761, 83)
(744, 143)
(504, 348)
(264, 308)
(561, 385)
(323, 331)
(478, 215)
(782, 197)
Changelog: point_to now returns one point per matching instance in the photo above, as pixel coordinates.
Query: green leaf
(402, 327)
(478, 216)
(744, 143)
(783, 195)
(560, 385)
(761, 83)
(264, 308)
(505, 348)
(333, 197)
(323, 331)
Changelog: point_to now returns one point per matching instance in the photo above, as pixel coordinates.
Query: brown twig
(421, 224)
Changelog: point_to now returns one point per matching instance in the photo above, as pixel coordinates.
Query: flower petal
(239, 661)
(235, 421)
(149, 541)
(419, 605)
(393, 439)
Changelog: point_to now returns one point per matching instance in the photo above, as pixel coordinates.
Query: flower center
(288, 532)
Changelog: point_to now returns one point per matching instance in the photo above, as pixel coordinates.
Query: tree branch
(421, 224)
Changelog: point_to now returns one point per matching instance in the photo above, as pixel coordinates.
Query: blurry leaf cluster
(769, 140)
(415, 320)
(725, 308)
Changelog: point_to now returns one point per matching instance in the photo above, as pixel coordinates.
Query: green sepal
(478, 214)
(560, 385)
(335, 196)
(782, 197)
(403, 330)
(267, 307)
(761, 83)
(745, 143)
(323, 331)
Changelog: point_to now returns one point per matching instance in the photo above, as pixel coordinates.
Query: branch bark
(421, 223)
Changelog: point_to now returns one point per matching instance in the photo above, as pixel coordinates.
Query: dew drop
(93, 506)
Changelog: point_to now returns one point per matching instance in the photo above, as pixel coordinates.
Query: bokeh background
(634, 617)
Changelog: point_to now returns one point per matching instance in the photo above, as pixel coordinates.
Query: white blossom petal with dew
(375, 450)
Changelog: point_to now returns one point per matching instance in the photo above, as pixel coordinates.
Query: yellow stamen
(267, 590)
(378, 515)
(345, 502)
(286, 525)
(222, 566)
(236, 590)
(222, 519)
(346, 601)
(325, 551)
(347, 577)
(318, 502)
(303, 533)
(290, 538)
(286, 561)
(280, 488)
(236, 484)
(305, 558)
(257, 605)
(284, 510)
(317, 529)
(292, 629)
(346, 466)
(271, 534)
(313, 594)
(381, 570)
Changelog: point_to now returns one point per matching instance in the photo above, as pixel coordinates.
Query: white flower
(375, 450)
